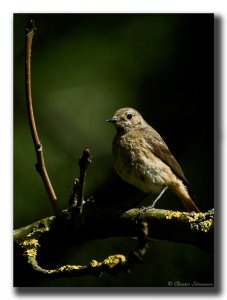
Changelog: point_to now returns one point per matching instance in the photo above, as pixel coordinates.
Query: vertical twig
(41, 168)
(73, 197)
(84, 162)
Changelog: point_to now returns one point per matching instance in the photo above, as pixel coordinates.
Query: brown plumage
(141, 157)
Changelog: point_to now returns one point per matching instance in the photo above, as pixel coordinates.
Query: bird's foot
(144, 209)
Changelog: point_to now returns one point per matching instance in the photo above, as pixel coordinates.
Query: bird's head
(126, 119)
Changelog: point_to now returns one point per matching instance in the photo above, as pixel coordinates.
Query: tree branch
(40, 166)
(191, 228)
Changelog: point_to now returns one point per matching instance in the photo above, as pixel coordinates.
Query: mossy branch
(191, 228)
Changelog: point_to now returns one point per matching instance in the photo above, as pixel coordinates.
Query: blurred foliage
(86, 66)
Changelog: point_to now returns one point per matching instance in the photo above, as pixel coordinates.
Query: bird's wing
(159, 148)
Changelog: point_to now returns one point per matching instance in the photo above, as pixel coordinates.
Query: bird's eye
(129, 116)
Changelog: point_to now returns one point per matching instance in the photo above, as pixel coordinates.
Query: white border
(116, 6)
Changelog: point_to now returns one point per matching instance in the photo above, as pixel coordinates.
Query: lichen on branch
(192, 228)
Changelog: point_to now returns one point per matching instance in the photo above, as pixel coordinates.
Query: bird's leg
(159, 196)
(155, 201)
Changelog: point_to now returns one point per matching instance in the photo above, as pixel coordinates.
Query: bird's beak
(113, 120)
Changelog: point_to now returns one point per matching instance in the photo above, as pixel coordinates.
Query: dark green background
(86, 66)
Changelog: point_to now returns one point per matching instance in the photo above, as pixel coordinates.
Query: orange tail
(189, 204)
(181, 191)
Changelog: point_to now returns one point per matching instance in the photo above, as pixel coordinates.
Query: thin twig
(73, 197)
(40, 166)
(84, 162)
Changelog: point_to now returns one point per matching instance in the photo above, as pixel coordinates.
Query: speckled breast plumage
(136, 164)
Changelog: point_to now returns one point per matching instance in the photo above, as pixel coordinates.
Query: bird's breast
(138, 165)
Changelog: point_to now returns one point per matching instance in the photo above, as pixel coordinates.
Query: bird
(142, 158)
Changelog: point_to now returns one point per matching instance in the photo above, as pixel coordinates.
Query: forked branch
(180, 227)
